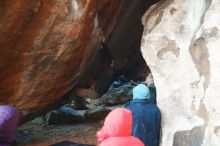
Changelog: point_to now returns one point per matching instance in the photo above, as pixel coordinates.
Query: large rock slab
(47, 46)
(181, 46)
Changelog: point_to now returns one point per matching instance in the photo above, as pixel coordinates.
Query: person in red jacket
(116, 130)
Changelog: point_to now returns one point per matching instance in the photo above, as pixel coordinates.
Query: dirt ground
(43, 136)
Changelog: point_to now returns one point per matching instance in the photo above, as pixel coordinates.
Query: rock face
(47, 46)
(181, 46)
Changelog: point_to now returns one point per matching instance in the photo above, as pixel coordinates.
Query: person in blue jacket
(146, 116)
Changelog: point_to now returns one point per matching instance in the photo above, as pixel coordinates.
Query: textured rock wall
(181, 44)
(46, 46)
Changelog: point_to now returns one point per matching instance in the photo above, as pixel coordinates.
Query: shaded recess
(124, 40)
(126, 37)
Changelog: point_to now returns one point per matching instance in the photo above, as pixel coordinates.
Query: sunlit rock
(181, 46)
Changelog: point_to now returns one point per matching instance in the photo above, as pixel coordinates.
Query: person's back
(146, 117)
(117, 130)
(146, 122)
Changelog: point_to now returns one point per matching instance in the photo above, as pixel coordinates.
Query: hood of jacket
(117, 123)
(141, 91)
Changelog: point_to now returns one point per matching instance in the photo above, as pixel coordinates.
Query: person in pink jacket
(116, 130)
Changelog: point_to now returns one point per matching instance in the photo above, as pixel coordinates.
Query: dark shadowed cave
(125, 39)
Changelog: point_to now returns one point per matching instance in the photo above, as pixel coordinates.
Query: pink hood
(117, 123)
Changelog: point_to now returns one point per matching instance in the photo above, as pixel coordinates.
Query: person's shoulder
(126, 105)
(131, 104)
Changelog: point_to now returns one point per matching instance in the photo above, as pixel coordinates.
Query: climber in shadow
(109, 72)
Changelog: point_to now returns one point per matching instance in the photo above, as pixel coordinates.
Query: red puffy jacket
(117, 130)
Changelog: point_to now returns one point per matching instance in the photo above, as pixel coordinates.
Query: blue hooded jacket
(146, 116)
